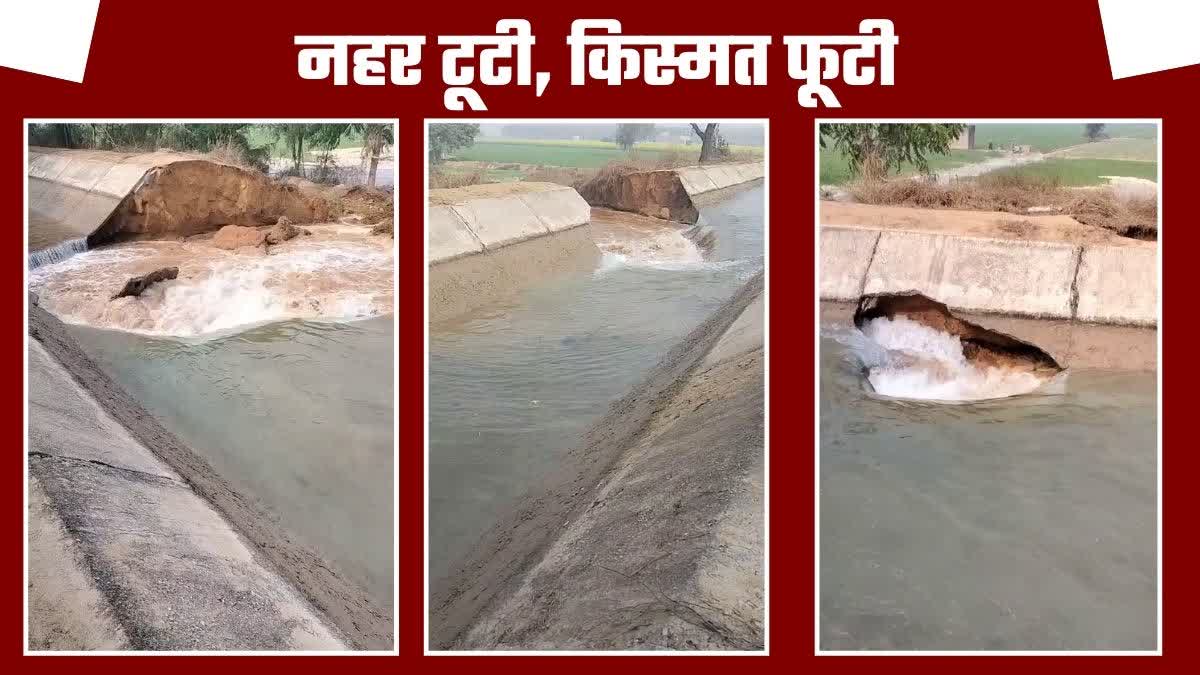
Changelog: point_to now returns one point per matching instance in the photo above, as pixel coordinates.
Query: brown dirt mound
(372, 204)
(658, 194)
(191, 197)
(980, 345)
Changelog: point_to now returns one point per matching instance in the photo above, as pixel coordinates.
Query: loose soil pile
(658, 194)
(196, 196)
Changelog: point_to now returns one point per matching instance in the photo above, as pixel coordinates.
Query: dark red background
(955, 60)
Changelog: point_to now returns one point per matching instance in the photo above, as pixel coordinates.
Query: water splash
(905, 359)
(57, 253)
(219, 292)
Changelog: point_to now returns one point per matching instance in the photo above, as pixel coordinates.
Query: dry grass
(1018, 194)
(562, 175)
(443, 179)
(230, 153)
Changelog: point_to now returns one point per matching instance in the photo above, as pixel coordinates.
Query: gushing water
(317, 278)
(57, 253)
(905, 359)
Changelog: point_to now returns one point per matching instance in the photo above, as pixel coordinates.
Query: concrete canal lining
(1097, 283)
(137, 543)
(649, 534)
(486, 241)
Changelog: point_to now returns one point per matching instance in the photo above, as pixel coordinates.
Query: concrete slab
(171, 570)
(695, 180)
(845, 255)
(46, 166)
(987, 275)
(83, 174)
(449, 236)
(1118, 285)
(558, 209)
(500, 221)
(721, 177)
(121, 179)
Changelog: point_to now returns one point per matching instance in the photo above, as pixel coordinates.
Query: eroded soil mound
(981, 347)
(191, 197)
(658, 194)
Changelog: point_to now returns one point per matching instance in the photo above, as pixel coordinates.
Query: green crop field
(835, 168)
(1078, 172)
(1139, 149)
(577, 154)
(1045, 137)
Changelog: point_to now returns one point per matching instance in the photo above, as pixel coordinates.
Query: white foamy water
(218, 291)
(57, 253)
(906, 359)
(665, 248)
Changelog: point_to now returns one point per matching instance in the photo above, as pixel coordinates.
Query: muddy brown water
(1021, 523)
(511, 388)
(297, 414)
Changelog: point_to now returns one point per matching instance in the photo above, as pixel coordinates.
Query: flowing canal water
(512, 387)
(295, 413)
(1026, 522)
(276, 367)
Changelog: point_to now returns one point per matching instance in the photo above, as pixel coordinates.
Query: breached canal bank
(486, 242)
(182, 498)
(176, 558)
(1089, 303)
(656, 513)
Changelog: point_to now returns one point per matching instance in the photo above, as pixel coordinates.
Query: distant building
(965, 140)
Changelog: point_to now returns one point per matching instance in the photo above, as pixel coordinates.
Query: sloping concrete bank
(1092, 283)
(488, 240)
(649, 535)
(109, 195)
(136, 543)
(670, 194)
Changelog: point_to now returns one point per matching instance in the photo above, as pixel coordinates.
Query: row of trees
(713, 146)
(446, 139)
(251, 145)
(875, 149)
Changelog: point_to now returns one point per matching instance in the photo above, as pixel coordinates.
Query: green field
(1138, 149)
(1078, 172)
(835, 168)
(577, 154)
(1045, 137)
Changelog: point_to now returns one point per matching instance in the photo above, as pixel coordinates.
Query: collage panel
(989, 466)
(210, 448)
(596, 458)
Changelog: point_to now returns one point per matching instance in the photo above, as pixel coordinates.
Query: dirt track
(994, 224)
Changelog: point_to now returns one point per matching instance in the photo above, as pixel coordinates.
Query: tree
(1093, 132)
(873, 150)
(298, 138)
(630, 134)
(376, 138)
(709, 142)
(444, 139)
(149, 136)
